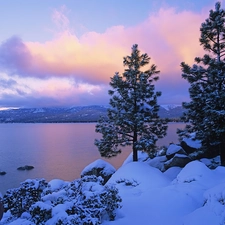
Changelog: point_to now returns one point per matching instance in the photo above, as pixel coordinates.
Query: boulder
(99, 168)
(2, 172)
(187, 148)
(179, 160)
(174, 149)
(158, 162)
(25, 167)
(195, 149)
(190, 145)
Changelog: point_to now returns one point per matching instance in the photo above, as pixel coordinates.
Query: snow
(172, 172)
(169, 107)
(142, 156)
(158, 162)
(173, 149)
(193, 195)
(188, 196)
(99, 163)
(195, 171)
(142, 173)
(21, 221)
(39, 110)
(193, 143)
(56, 184)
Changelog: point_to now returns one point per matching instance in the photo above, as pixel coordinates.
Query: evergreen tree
(133, 114)
(206, 110)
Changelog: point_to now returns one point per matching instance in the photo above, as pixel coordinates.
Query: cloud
(7, 83)
(15, 57)
(169, 37)
(60, 19)
(34, 92)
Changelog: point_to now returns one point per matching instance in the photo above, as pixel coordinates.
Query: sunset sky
(63, 52)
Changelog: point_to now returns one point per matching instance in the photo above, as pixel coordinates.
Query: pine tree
(133, 114)
(206, 110)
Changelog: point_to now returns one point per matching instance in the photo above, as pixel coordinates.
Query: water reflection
(55, 150)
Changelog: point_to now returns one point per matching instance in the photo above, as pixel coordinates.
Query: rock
(179, 160)
(191, 145)
(174, 149)
(99, 168)
(2, 172)
(195, 149)
(25, 167)
(187, 148)
(158, 162)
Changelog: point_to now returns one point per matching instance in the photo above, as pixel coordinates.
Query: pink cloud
(169, 37)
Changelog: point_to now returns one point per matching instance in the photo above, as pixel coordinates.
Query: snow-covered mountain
(169, 107)
(71, 114)
(171, 111)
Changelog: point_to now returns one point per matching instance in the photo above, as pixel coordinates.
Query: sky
(62, 53)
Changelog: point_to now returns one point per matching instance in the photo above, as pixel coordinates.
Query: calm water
(55, 150)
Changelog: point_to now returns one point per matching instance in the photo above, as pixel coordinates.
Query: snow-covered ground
(194, 195)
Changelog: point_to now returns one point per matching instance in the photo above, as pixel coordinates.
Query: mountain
(171, 111)
(71, 114)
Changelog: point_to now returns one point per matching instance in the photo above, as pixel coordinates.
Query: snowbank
(193, 195)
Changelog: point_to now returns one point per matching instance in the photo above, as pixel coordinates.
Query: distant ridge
(169, 107)
(72, 114)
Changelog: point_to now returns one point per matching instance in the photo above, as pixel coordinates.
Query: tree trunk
(222, 153)
(135, 155)
(1, 210)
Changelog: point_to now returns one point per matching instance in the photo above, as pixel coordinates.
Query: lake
(55, 150)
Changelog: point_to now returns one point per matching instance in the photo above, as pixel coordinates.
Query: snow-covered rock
(211, 163)
(158, 162)
(179, 160)
(99, 168)
(174, 149)
(191, 144)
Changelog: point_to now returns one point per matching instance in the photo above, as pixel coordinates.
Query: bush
(128, 182)
(40, 212)
(20, 199)
(84, 201)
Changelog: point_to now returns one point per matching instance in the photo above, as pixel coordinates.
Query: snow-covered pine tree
(133, 114)
(206, 110)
